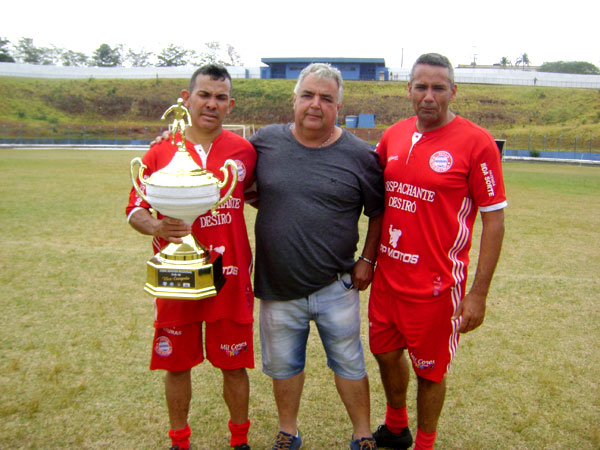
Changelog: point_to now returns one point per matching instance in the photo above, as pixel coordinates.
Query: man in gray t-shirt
(310, 203)
(313, 181)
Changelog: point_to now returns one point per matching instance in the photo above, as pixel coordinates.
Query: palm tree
(523, 59)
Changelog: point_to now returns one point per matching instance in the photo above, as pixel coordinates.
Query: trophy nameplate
(199, 279)
(183, 190)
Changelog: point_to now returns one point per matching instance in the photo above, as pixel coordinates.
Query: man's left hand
(362, 275)
(165, 136)
(472, 311)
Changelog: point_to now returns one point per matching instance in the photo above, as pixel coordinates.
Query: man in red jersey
(178, 340)
(439, 170)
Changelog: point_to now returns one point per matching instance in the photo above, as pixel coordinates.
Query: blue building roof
(351, 68)
(324, 60)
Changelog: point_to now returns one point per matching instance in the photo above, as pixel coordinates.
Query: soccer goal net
(243, 130)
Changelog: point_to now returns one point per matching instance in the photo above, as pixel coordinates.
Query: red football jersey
(224, 233)
(435, 182)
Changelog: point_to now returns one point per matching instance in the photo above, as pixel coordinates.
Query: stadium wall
(41, 71)
(513, 77)
(462, 75)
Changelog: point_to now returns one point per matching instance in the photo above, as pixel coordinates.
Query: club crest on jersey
(241, 170)
(163, 346)
(440, 161)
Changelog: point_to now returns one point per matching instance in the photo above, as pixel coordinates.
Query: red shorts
(228, 346)
(425, 329)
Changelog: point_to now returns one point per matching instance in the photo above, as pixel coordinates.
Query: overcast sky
(396, 30)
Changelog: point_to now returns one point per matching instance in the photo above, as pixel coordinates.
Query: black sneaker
(243, 446)
(399, 441)
(177, 447)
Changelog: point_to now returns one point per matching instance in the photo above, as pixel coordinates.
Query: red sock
(424, 441)
(239, 433)
(181, 437)
(396, 419)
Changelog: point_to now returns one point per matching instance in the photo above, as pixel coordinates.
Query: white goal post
(243, 130)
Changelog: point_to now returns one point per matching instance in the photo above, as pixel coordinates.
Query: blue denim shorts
(285, 326)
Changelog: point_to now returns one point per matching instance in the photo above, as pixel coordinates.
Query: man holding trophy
(228, 315)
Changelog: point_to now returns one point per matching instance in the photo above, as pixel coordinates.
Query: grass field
(77, 324)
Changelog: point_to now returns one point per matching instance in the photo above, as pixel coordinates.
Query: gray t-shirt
(310, 202)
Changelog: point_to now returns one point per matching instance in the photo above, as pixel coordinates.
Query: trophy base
(189, 281)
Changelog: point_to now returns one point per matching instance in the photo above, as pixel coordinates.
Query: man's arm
(167, 228)
(472, 307)
(362, 274)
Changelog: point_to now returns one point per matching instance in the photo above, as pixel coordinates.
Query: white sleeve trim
(495, 207)
(132, 211)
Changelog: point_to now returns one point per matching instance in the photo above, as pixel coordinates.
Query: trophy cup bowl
(183, 190)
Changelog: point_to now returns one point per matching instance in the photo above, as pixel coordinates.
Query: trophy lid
(182, 171)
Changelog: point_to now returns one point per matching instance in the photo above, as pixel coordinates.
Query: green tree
(50, 56)
(27, 52)
(173, 55)
(5, 55)
(505, 62)
(105, 56)
(234, 57)
(71, 58)
(139, 59)
(580, 67)
(211, 54)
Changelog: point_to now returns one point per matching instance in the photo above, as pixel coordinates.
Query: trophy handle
(234, 177)
(139, 175)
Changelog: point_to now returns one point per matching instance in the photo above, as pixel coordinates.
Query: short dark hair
(434, 59)
(214, 71)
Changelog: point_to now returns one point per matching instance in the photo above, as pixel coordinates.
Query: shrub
(114, 105)
(69, 103)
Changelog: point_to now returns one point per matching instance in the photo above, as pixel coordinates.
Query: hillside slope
(504, 110)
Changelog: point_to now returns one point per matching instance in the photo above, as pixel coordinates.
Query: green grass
(77, 325)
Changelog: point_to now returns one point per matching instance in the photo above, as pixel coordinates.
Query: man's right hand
(163, 137)
(168, 228)
(172, 230)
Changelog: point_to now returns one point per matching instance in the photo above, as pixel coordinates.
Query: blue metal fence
(91, 141)
(580, 156)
